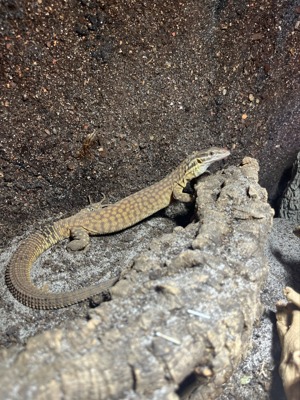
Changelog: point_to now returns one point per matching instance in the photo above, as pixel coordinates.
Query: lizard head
(199, 161)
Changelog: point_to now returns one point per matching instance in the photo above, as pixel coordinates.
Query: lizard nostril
(91, 221)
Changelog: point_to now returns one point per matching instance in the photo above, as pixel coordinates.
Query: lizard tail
(17, 274)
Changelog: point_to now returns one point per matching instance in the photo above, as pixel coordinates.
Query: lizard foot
(80, 242)
(77, 248)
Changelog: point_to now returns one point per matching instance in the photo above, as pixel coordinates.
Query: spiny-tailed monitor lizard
(100, 221)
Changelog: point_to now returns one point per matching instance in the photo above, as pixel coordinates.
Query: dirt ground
(153, 80)
(109, 96)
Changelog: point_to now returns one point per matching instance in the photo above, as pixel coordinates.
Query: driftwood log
(180, 318)
(290, 201)
(288, 326)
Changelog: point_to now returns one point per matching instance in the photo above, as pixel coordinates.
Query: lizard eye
(211, 153)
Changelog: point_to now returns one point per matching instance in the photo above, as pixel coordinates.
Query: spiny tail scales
(99, 221)
(17, 275)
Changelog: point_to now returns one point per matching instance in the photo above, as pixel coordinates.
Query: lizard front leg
(179, 195)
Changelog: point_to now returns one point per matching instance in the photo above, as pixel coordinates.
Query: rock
(290, 201)
(257, 36)
(185, 307)
(81, 30)
(297, 231)
(71, 165)
(267, 68)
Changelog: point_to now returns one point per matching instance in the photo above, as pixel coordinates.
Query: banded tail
(17, 276)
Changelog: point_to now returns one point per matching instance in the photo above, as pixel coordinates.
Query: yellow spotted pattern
(98, 221)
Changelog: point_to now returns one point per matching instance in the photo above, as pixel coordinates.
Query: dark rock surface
(290, 201)
(147, 342)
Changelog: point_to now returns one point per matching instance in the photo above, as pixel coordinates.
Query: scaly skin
(97, 220)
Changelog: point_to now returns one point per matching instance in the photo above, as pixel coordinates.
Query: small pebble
(257, 36)
(251, 97)
(224, 92)
(70, 165)
(219, 100)
(267, 68)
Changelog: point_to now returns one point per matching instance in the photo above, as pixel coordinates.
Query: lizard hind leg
(81, 240)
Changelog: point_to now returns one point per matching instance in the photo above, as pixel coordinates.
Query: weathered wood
(180, 318)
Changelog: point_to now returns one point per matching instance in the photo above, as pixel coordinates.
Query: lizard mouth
(222, 155)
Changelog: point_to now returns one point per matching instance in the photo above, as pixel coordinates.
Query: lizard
(100, 220)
